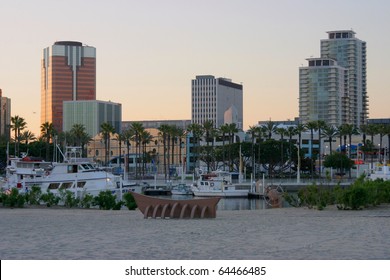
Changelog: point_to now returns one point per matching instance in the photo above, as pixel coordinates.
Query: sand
(271, 234)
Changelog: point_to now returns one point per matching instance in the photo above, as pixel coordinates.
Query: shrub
(356, 197)
(118, 205)
(50, 199)
(13, 199)
(86, 200)
(315, 196)
(129, 201)
(34, 195)
(105, 200)
(70, 200)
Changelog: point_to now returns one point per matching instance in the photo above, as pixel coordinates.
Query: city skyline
(148, 52)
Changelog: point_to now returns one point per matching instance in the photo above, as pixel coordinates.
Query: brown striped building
(68, 73)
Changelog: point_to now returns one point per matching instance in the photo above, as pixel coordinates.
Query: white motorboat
(380, 172)
(74, 173)
(181, 189)
(218, 183)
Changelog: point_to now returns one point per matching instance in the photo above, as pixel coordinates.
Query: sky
(149, 51)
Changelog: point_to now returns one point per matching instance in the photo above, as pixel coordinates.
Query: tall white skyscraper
(322, 91)
(217, 99)
(343, 79)
(350, 53)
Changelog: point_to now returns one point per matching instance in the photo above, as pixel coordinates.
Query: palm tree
(127, 136)
(146, 137)
(17, 125)
(197, 132)
(209, 133)
(232, 130)
(382, 132)
(137, 129)
(119, 138)
(282, 132)
(253, 130)
(312, 126)
(291, 131)
(28, 136)
(320, 126)
(329, 132)
(106, 129)
(47, 132)
(80, 136)
(224, 130)
(164, 131)
(270, 128)
(180, 134)
(371, 130)
(299, 129)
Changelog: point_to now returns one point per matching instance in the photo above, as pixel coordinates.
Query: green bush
(70, 200)
(315, 197)
(50, 199)
(362, 193)
(129, 201)
(34, 195)
(105, 200)
(14, 199)
(86, 200)
(356, 197)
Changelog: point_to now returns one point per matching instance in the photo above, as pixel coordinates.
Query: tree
(329, 132)
(224, 130)
(197, 132)
(209, 134)
(47, 133)
(312, 126)
(270, 128)
(106, 129)
(127, 136)
(146, 137)
(27, 136)
(137, 129)
(320, 126)
(164, 131)
(339, 161)
(80, 136)
(232, 130)
(299, 128)
(17, 125)
(253, 130)
(282, 132)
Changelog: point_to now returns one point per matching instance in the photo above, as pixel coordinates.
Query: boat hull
(218, 193)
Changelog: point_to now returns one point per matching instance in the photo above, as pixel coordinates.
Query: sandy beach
(272, 234)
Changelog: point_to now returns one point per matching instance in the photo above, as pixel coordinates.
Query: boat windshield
(87, 166)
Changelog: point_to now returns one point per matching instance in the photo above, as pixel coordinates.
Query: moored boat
(181, 189)
(380, 172)
(218, 183)
(74, 173)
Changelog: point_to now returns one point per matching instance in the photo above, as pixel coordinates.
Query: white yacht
(380, 172)
(218, 183)
(74, 173)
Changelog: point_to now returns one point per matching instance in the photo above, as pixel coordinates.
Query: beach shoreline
(39, 233)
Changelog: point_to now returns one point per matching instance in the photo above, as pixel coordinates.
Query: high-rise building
(350, 53)
(91, 114)
(217, 99)
(68, 73)
(333, 88)
(322, 91)
(5, 116)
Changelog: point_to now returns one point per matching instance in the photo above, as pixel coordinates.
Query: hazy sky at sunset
(148, 51)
